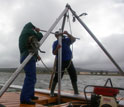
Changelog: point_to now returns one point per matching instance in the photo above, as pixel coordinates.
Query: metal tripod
(16, 73)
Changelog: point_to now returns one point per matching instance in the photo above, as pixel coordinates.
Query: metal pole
(46, 31)
(53, 26)
(97, 41)
(59, 68)
(60, 59)
(63, 23)
(15, 74)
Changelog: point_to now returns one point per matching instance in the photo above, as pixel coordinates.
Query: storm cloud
(104, 19)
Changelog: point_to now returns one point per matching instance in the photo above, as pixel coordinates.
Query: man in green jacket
(29, 31)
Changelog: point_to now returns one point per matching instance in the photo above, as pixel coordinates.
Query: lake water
(83, 80)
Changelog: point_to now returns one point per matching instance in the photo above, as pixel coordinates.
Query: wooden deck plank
(12, 99)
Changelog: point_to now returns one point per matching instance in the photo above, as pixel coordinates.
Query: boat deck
(12, 99)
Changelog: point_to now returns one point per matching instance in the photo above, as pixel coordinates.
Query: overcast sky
(105, 19)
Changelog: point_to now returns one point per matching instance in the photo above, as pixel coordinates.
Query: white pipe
(59, 68)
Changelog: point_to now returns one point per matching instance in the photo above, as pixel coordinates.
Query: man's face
(56, 35)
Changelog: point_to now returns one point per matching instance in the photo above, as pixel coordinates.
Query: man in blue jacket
(29, 31)
(67, 63)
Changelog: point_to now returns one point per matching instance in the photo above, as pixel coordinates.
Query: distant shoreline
(66, 73)
(79, 71)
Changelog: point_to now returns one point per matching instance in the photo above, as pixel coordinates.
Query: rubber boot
(53, 88)
(74, 84)
(2, 105)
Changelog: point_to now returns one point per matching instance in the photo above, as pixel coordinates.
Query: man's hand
(65, 32)
(70, 36)
(56, 50)
(38, 58)
(58, 46)
(37, 29)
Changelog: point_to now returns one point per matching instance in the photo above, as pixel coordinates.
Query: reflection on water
(83, 80)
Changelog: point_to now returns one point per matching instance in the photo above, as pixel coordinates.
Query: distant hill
(44, 70)
(7, 69)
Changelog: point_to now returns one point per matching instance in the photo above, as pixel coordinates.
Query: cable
(44, 64)
(72, 44)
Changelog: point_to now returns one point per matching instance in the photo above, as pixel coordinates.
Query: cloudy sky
(104, 19)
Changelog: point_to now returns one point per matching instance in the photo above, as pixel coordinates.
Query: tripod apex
(67, 5)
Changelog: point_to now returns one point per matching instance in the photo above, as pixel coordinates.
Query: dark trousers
(70, 68)
(30, 80)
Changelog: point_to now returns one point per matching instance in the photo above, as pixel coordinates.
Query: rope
(45, 65)
(72, 44)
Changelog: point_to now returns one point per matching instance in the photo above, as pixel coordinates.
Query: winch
(102, 96)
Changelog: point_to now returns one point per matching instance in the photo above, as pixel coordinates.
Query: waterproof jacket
(66, 51)
(24, 38)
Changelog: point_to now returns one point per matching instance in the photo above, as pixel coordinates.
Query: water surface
(83, 80)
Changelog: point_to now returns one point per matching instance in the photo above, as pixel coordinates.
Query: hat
(57, 32)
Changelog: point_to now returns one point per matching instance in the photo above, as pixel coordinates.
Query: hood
(29, 26)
